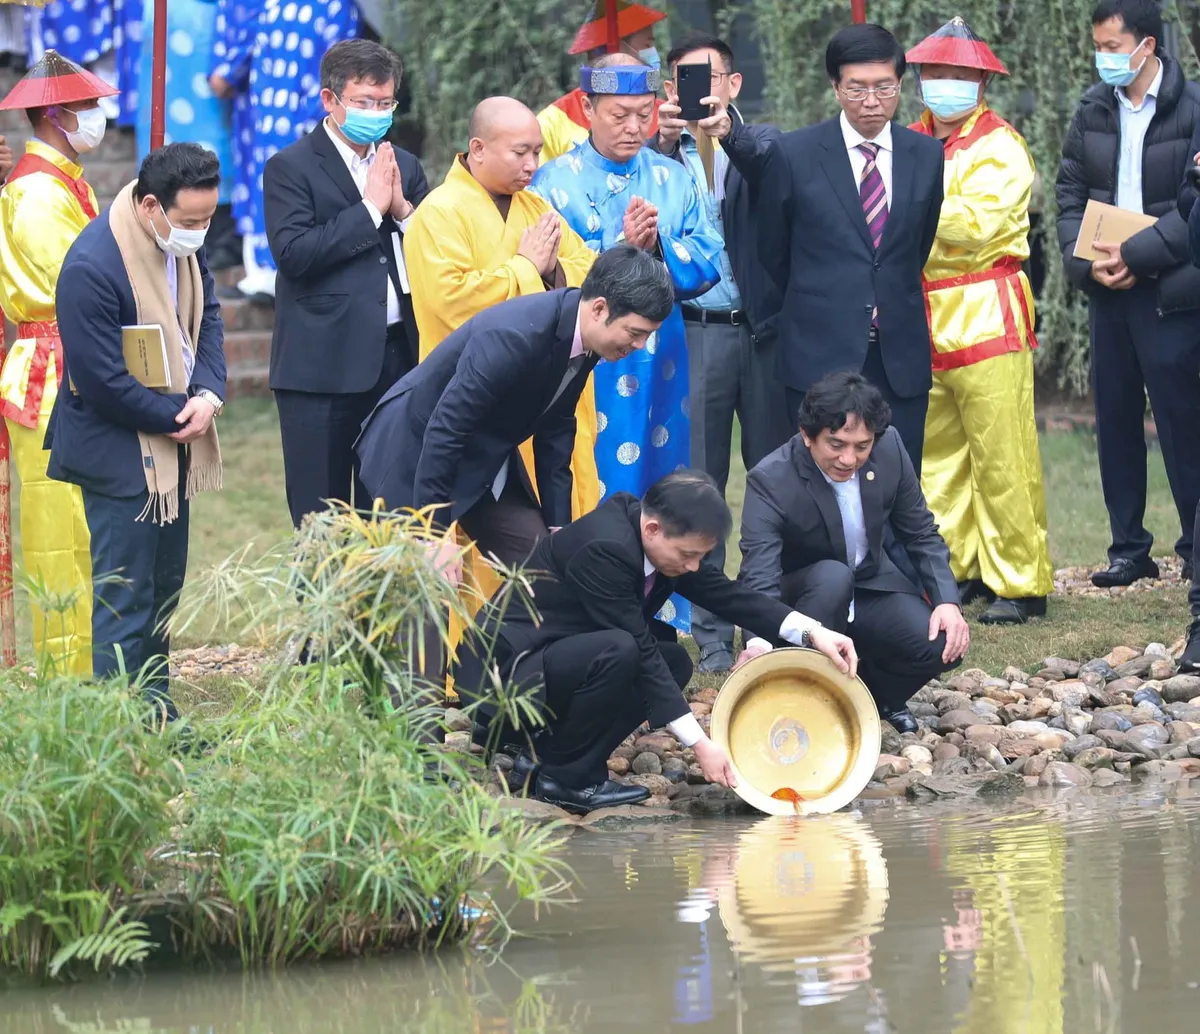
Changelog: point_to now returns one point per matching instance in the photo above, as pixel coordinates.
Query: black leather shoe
(1186, 572)
(1014, 612)
(579, 802)
(716, 660)
(479, 736)
(1124, 571)
(973, 589)
(902, 721)
(522, 777)
(1189, 660)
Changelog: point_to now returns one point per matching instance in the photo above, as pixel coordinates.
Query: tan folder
(1107, 224)
(145, 352)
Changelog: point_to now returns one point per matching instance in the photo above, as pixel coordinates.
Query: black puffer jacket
(1089, 170)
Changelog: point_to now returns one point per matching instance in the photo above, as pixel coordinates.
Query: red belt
(45, 335)
(1002, 268)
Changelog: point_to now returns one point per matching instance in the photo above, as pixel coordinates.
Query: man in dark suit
(139, 454)
(446, 435)
(812, 535)
(598, 660)
(336, 204)
(847, 216)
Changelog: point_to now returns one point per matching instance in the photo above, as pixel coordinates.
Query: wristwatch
(806, 635)
(213, 399)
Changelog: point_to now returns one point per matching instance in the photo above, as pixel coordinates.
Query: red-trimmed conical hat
(55, 80)
(955, 43)
(631, 18)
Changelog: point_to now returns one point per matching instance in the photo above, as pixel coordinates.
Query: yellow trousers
(982, 475)
(56, 552)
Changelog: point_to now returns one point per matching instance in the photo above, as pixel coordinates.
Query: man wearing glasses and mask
(337, 205)
(847, 216)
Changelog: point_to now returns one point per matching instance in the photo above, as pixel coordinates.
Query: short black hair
(630, 280)
(863, 44)
(175, 167)
(700, 41)
(360, 60)
(1141, 17)
(838, 396)
(688, 502)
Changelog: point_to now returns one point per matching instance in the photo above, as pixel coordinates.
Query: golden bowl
(793, 724)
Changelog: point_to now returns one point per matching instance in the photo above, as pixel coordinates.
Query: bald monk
(480, 239)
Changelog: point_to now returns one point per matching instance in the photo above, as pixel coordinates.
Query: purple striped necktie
(874, 202)
(648, 584)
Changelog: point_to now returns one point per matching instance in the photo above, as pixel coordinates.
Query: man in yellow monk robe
(43, 207)
(563, 122)
(982, 471)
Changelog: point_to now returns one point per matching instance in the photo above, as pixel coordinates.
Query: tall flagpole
(158, 77)
(613, 33)
(858, 11)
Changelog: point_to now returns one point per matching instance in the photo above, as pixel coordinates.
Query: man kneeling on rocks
(602, 663)
(812, 536)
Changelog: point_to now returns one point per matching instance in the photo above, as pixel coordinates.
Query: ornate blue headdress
(626, 80)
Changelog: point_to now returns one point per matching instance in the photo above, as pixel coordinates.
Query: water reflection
(1047, 916)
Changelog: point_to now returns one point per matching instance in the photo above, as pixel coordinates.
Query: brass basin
(790, 721)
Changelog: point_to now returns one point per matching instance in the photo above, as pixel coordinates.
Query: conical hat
(55, 80)
(956, 43)
(631, 18)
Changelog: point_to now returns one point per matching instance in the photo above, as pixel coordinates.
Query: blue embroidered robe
(234, 38)
(642, 400)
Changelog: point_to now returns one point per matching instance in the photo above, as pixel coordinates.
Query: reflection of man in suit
(812, 536)
(603, 663)
(848, 211)
(446, 435)
(337, 204)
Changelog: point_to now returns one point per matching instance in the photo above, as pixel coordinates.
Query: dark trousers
(128, 611)
(908, 414)
(1194, 588)
(1136, 351)
(319, 431)
(890, 629)
(730, 373)
(510, 526)
(592, 700)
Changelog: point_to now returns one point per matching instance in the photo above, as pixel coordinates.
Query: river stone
(1003, 784)
(1166, 771)
(1028, 728)
(916, 754)
(1181, 688)
(618, 766)
(1184, 712)
(1077, 722)
(889, 739)
(1015, 747)
(1190, 766)
(1010, 713)
(1056, 739)
(707, 800)
(1071, 692)
(1157, 650)
(1162, 669)
(980, 734)
(982, 705)
(1026, 691)
(947, 700)
(1179, 732)
(1139, 667)
(1121, 654)
(919, 709)
(955, 738)
(890, 765)
(1147, 694)
(647, 763)
(675, 769)
(946, 751)
(458, 741)
(1014, 674)
(925, 787)
(1151, 734)
(1048, 675)
(1110, 721)
(1042, 707)
(658, 785)
(1179, 752)
(1107, 777)
(954, 721)
(951, 767)
(1081, 743)
(1036, 765)
(659, 743)
(1068, 668)
(458, 721)
(697, 708)
(992, 757)
(1101, 667)
(964, 683)
(627, 751)
(1095, 757)
(1062, 773)
(1193, 746)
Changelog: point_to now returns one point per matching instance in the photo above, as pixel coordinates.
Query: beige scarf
(147, 272)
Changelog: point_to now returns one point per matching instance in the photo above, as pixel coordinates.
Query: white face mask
(180, 243)
(87, 137)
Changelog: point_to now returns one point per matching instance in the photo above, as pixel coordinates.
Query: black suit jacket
(791, 520)
(814, 244)
(331, 290)
(590, 577)
(93, 435)
(442, 432)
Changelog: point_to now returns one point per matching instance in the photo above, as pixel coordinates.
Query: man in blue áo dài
(611, 190)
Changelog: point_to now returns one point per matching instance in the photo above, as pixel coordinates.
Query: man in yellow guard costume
(563, 122)
(982, 472)
(480, 239)
(43, 207)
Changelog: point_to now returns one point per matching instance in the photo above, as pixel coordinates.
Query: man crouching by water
(602, 663)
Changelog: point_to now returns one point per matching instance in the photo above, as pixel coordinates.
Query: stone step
(242, 314)
(247, 348)
(247, 381)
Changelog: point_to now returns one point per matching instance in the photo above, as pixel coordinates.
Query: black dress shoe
(1124, 571)
(973, 589)
(1014, 612)
(1186, 572)
(716, 660)
(902, 721)
(522, 778)
(1189, 660)
(480, 736)
(579, 802)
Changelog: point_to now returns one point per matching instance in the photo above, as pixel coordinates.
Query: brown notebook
(145, 353)
(1107, 224)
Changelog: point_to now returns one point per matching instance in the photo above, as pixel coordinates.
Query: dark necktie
(874, 202)
(387, 227)
(648, 585)
(573, 366)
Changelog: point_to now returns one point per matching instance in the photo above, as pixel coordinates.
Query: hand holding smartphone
(692, 84)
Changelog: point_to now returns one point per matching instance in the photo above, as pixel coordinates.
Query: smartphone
(692, 84)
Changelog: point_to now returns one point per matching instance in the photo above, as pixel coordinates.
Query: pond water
(1046, 915)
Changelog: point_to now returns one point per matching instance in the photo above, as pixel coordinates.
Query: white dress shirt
(1134, 123)
(858, 160)
(854, 524)
(189, 351)
(359, 167)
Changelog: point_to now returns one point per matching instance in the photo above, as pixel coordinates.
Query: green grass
(253, 508)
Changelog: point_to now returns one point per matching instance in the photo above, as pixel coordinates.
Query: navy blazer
(814, 243)
(441, 433)
(93, 436)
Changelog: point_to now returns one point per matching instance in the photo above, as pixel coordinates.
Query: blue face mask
(1115, 69)
(947, 98)
(650, 56)
(365, 127)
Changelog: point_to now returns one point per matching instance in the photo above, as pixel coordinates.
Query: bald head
(613, 60)
(505, 145)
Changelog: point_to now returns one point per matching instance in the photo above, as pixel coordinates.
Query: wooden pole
(858, 11)
(158, 77)
(8, 611)
(614, 34)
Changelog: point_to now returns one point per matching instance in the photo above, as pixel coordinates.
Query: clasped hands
(1112, 272)
(385, 189)
(539, 243)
